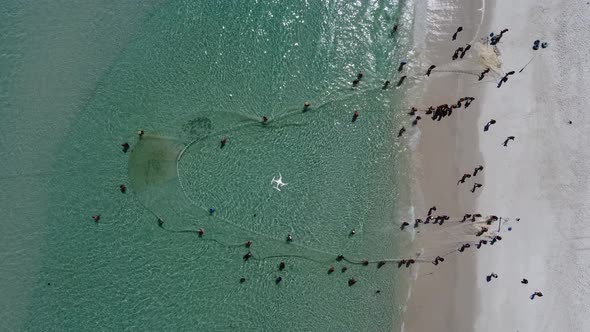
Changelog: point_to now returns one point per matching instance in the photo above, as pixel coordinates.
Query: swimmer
(417, 222)
(140, 134)
(477, 169)
(351, 281)
(459, 29)
(415, 122)
(352, 232)
(281, 266)
(401, 132)
(487, 126)
(432, 209)
(247, 256)
(125, 147)
(201, 232)
(404, 224)
(344, 268)
(413, 111)
(430, 70)
(306, 106)
(248, 244)
(278, 280)
(400, 263)
(359, 76)
(223, 141)
(355, 83)
(475, 186)
(365, 262)
(242, 280)
(264, 119)
(483, 74)
(401, 80)
(160, 222)
(339, 258)
(96, 218)
(331, 270)
(462, 180)
(289, 238)
(123, 188)
(394, 29)
(211, 211)
(401, 66)
(410, 262)
(385, 85)
(355, 116)
(510, 138)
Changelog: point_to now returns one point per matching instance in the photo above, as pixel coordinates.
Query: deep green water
(78, 80)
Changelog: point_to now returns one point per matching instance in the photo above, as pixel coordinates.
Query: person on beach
(537, 293)
(477, 169)
(223, 141)
(524, 281)
(123, 188)
(385, 85)
(468, 101)
(481, 232)
(415, 122)
(496, 39)
(505, 78)
(456, 54)
(401, 66)
(413, 111)
(401, 132)
(481, 242)
(355, 116)
(459, 29)
(463, 247)
(510, 138)
(96, 218)
(483, 73)
(427, 220)
(430, 70)
(487, 126)
(437, 260)
(475, 186)
(125, 147)
(404, 224)
(410, 262)
(465, 217)
(417, 222)
(400, 263)
(401, 80)
(432, 209)
(462, 180)
(430, 110)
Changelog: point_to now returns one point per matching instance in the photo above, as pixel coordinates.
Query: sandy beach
(540, 177)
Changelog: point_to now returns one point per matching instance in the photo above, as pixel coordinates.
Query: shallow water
(81, 81)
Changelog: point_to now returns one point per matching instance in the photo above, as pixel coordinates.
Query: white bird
(278, 182)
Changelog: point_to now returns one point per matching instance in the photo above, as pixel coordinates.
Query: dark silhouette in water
(344, 268)
(459, 29)
(401, 66)
(462, 180)
(306, 106)
(264, 119)
(415, 122)
(281, 266)
(351, 281)
(331, 270)
(483, 74)
(125, 147)
(404, 224)
(385, 85)
(475, 186)
(430, 70)
(140, 134)
(510, 138)
(247, 256)
(355, 116)
(96, 218)
(223, 141)
(242, 280)
(487, 126)
(123, 188)
(278, 280)
(477, 169)
(401, 132)
(401, 80)
(380, 264)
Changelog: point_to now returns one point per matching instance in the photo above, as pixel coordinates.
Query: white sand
(542, 177)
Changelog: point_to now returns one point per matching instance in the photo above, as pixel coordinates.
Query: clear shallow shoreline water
(197, 71)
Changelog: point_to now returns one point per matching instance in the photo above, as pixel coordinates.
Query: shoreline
(445, 151)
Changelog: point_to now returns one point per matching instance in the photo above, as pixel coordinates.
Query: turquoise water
(80, 80)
